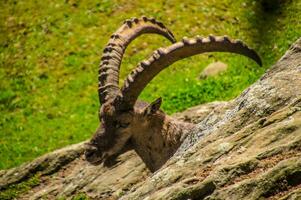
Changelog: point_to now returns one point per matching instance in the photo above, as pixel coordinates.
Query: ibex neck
(159, 143)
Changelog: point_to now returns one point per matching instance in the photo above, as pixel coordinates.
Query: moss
(285, 175)
(229, 173)
(13, 191)
(81, 196)
(198, 191)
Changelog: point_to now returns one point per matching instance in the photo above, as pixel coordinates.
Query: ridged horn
(108, 74)
(163, 57)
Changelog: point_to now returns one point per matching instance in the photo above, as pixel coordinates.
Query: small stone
(213, 69)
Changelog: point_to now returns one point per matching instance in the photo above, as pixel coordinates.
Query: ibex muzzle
(127, 123)
(111, 135)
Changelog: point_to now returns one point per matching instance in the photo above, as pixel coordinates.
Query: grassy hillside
(49, 55)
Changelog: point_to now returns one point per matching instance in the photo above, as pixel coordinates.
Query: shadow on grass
(266, 27)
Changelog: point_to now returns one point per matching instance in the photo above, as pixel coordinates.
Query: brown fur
(159, 140)
(154, 136)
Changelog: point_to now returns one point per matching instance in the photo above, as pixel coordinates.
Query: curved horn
(108, 74)
(163, 57)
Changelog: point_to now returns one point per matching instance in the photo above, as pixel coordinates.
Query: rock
(248, 148)
(213, 69)
(197, 113)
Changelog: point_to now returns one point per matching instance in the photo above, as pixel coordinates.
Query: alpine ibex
(127, 123)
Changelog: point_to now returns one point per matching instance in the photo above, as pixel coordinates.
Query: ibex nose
(91, 148)
(92, 154)
(89, 153)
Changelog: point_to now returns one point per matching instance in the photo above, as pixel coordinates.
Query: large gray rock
(248, 148)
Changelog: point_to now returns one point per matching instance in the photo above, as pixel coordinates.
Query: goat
(127, 123)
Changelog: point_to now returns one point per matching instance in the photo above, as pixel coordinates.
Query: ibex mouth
(93, 155)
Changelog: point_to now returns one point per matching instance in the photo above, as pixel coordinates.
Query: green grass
(49, 55)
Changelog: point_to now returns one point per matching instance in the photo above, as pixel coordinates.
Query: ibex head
(118, 126)
(126, 122)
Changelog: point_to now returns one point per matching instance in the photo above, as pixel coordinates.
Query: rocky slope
(248, 148)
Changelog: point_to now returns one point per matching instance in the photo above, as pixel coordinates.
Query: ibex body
(127, 123)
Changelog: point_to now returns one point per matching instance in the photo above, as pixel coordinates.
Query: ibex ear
(153, 107)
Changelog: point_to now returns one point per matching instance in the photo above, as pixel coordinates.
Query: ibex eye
(122, 125)
(117, 125)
